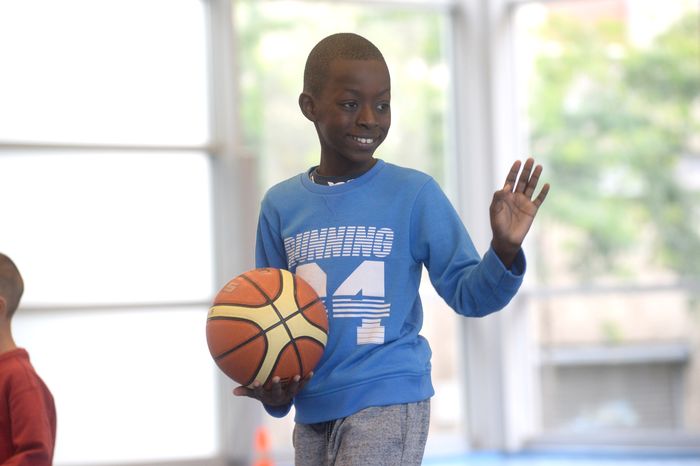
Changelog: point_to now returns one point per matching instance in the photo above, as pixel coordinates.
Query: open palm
(513, 209)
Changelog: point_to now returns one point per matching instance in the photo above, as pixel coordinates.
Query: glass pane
(136, 385)
(108, 227)
(103, 71)
(275, 39)
(613, 112)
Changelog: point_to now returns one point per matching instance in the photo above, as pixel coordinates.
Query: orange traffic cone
(262, 448)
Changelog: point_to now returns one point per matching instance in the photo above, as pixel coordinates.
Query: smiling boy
(360, 230)
(348, 129)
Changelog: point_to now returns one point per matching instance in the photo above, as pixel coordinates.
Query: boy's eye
(383, 107)
(349, 105)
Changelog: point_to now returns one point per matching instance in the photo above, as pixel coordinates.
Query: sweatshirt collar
(341, 188)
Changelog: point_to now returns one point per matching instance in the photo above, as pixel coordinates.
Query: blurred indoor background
(137, 138)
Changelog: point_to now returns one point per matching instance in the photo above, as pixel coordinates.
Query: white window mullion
(235, 202)
(497, 382)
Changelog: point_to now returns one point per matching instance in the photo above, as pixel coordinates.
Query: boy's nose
(366, 118)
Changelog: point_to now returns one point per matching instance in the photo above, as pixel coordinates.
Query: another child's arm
(31, 430)
(513, 210)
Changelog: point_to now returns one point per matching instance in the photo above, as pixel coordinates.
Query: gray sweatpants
(380, 436)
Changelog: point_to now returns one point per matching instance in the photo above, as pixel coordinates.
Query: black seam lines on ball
(262, 331)
(259, 288)
(243, 343)
(271, 302)
(282, 320)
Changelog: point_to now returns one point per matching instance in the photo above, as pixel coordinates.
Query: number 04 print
(360, 295)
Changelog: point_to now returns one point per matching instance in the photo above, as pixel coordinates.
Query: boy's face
(352, 115)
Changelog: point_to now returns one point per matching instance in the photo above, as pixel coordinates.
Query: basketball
(266, 323)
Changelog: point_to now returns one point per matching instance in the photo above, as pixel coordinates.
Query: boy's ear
(307, 106)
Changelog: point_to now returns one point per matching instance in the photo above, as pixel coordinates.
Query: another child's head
(347, 92)
(11, 287)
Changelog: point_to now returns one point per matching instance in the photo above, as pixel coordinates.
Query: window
(105, 181)
(103, 72)
(610, 106)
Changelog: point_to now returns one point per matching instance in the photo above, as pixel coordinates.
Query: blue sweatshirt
(362, 246)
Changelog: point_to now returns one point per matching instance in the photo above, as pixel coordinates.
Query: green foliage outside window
(616, 124)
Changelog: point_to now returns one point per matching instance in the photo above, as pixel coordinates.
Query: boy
(27, 411)
(360, 230)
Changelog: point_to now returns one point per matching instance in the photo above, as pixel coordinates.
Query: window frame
(501, 364)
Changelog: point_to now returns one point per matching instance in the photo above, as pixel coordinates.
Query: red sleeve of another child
(33, 425)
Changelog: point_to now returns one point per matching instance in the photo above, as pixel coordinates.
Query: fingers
(524, 179)
(294, 385)
(532, 182)
(297, 384)
(542, 195)
(242, 391)
(276, 392)
(257, 391)
(512, 176)
(305, 380)
(527, 181)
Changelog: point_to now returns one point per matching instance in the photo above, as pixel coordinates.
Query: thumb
(240, 391)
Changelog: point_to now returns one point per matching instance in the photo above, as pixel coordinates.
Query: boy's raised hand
(279, 394)
(513, 210)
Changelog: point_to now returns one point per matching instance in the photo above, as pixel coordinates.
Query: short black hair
(344, 45)
(11, 284)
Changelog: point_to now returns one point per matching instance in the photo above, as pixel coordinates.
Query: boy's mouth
(363, 140)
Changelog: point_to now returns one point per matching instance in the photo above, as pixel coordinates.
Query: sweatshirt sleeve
(31, 425)
(269, 244)
(470, 285)
(269, 252)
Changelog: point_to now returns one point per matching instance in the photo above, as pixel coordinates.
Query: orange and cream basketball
(266, 323)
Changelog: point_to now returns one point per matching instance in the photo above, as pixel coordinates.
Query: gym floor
(565, 459)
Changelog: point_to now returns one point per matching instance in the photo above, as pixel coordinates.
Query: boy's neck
(329, 169)
(7, 343)
(318, 178)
